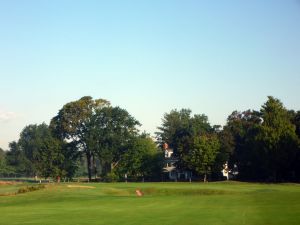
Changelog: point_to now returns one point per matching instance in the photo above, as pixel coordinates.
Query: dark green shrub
(30, 188)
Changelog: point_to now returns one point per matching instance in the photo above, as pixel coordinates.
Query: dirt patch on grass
(81, 186)
(7, 183)
(19, 189)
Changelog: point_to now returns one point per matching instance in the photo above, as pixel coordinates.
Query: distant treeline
(264, 144)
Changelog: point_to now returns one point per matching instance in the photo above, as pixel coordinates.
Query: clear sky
(146, 56)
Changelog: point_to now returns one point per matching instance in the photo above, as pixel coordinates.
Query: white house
(170, 166)
(228, 173)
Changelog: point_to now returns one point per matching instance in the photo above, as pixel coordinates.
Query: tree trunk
(89, 165)
(275, 175)
(95, 166)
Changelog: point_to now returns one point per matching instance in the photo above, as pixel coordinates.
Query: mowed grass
(162, 204)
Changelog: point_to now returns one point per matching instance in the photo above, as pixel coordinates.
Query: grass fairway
(163, 203)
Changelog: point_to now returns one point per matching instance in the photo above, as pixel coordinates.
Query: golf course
(230, 203)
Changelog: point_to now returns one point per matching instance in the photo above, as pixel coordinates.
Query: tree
(16, 159)
(112, 129)
(265, 144)
(42, 150)
(295, 119)
(96, 129)
(178, 124)
(142, 159)
(203, 150)
(2, 156)
(238, 144)
(178, 127)
(71, 160)
(174, 124)
(3, 166)
(278, 140)
(72, 124)
(226, 150)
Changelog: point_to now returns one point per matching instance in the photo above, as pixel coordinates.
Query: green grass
(163, 204)
(10, 189)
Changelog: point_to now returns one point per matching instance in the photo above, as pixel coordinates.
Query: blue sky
(146, 56)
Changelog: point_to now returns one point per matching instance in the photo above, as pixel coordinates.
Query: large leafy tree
(73, 122)
(42, 150)
(179, 124)
(3, 166)
(142, 159)
(265, 145)
(203, 150)
(2, 157)
(178, 127)
(277, 139)
(174, 125)
(16, 159)
(71, 161)
(96, 129)
(238, 144)
(112, 129)
(295, 119)
(226, 140)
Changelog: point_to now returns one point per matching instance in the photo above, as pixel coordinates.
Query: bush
(30, 188)
(111, 177)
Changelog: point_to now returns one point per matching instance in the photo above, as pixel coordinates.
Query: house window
(173, 174)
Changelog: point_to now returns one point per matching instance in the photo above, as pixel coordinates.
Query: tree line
(263, 144)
